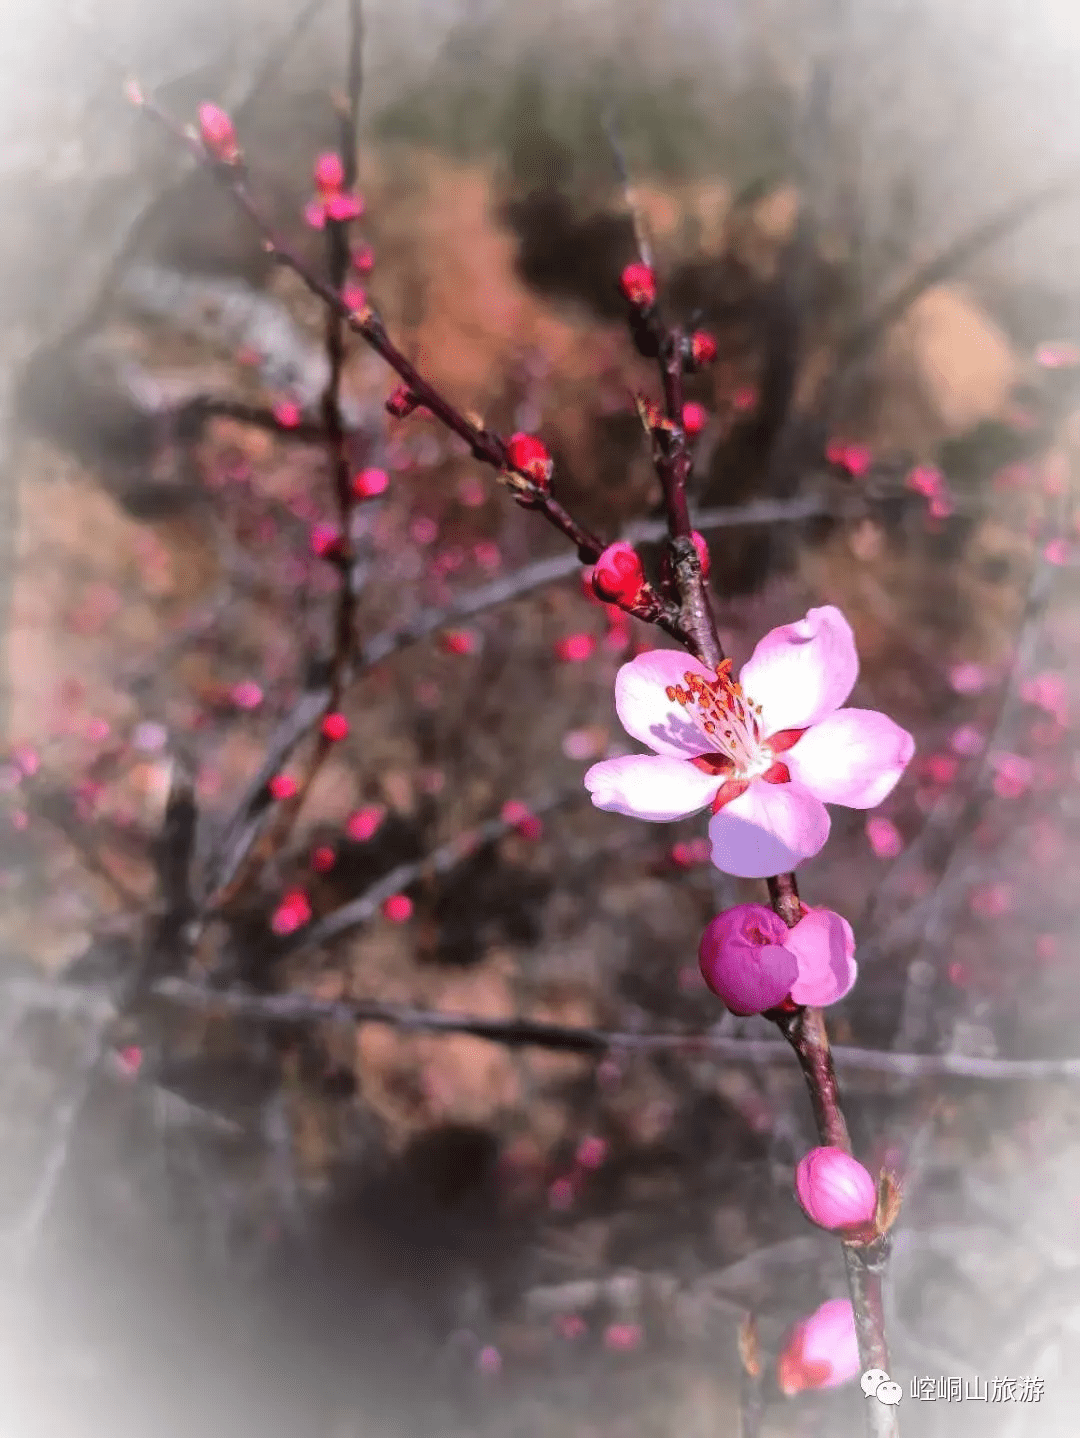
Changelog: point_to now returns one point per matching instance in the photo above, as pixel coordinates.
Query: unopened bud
(835, 1191)
(638, 284)
(530, 456)
(703, 347)
(218, 133)
(618, 576)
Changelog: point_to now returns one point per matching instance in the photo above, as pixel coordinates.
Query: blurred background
(251, 1178)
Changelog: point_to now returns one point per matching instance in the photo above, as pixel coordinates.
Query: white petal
(650, 786)
(854, 757)
(769, 829)
(800, 672)
(645, 711)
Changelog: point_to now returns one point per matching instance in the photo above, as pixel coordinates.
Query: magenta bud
(835, 1190)
(744, 961)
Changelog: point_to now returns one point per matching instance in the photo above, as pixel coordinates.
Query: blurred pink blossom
(822, 1350)
(884, 837)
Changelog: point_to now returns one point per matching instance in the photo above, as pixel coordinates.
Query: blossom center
(730, 721)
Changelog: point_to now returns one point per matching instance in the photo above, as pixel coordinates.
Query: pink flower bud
(292, 913)
(329, 172)
(370, 482)
(591, 1152)
(335, 727)
(530, 455)
(884, 837)
(218, 133)
(822, 1350)
(694, 418)
(703, 553)
(361, 825)
(355, 296)
(282, 786)
(323, 859)
(363, 259)
(638, 284)
(344, 207)
(703, 347)
(752, 961)
(834, 1189)
(623, 1337)
(401, 402)
(398, 908)
(460, 641)
(287, 413)
(743, 959)
(617, 575)
(575, 648)
(325, 540)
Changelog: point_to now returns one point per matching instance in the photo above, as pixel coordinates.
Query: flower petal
(854, 757)
(800, 672)
(824, 946)
(768, 830)
(650, 786)
(645, 711)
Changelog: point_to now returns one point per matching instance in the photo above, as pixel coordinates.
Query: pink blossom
(423, 530)
(489, 1361)
(942, 768)
(361, 825)
(292, 913)
(925, 479)
(323, 859)
(884, 837)
(527, 824)
(991, 900)
(335, 727)
(1057, 354)
(834, 1189)
(398, 908)
(855, 458)
(329, 172)
(573, 650)
(571, 1326)
(1012, 774)
(370, 482)
(1048, 692)
(218, 134)
(591, 1152)
(752, 961)
(694, 418)
(623, 1337)
(766, 754)
(969, 678)
(967, 740)
(561, 1193)
(287, 413)
(315, 215)
(822, 1350)
(344, 207)
(1056, 552)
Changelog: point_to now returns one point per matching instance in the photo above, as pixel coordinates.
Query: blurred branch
(295, 1008)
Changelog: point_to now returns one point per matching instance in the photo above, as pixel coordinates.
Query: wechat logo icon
(876, 1383)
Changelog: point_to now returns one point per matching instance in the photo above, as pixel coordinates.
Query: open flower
(766, 753)
(753, 961)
